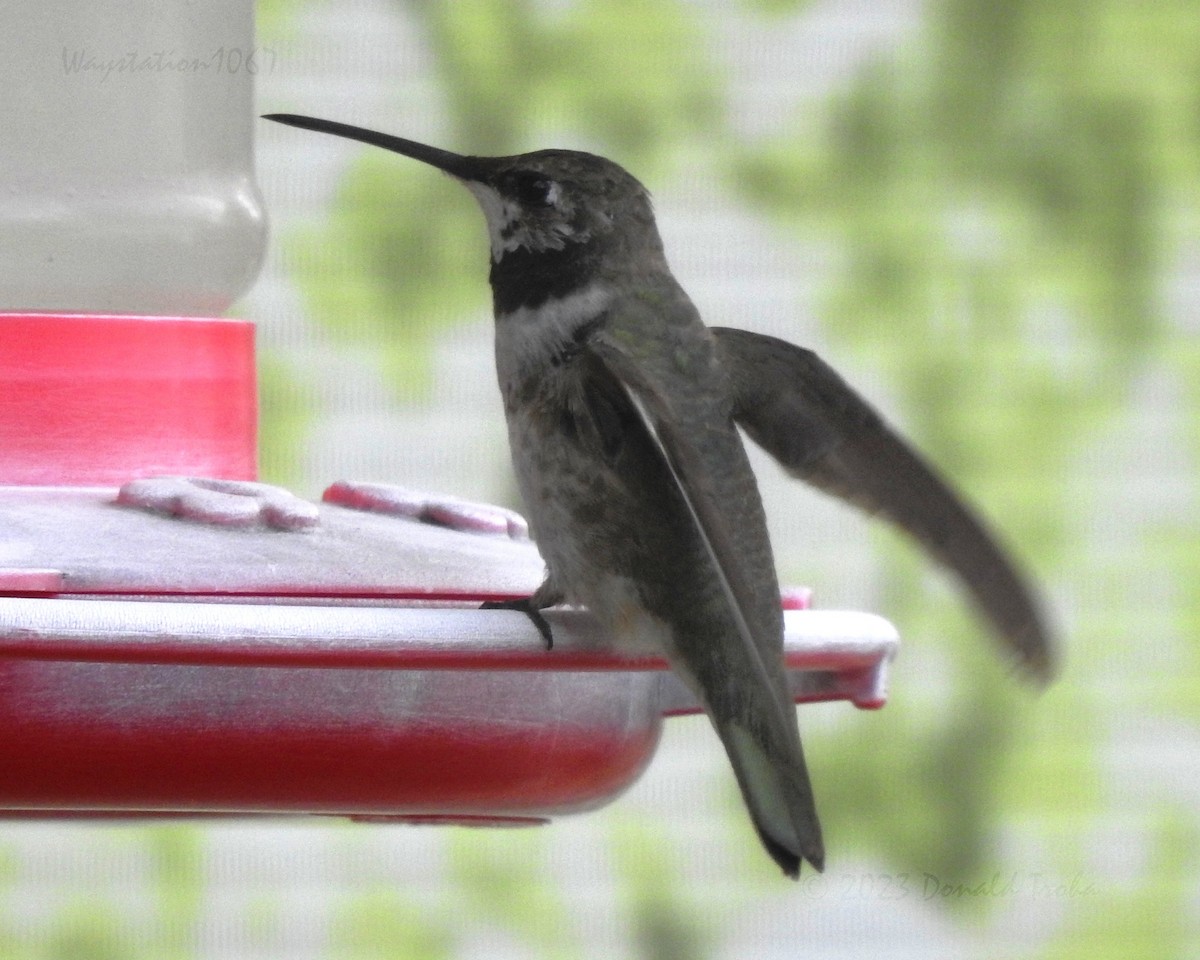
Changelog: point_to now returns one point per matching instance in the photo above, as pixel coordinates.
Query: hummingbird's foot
(525, 605)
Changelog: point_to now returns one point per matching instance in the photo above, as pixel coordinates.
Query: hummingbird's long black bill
(455, 164)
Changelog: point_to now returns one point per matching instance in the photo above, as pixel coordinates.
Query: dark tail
(763, 745)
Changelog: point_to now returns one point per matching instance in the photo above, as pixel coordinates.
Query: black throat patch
(526, 278)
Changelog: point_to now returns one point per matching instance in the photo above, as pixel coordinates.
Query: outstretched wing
(808, 418)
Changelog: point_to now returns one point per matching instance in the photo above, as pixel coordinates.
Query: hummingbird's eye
(535, 190)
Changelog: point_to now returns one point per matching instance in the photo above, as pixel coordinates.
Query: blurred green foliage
(384, 925)
(1007, 190)
(284, 414)
(89, 928)
(504, 882)
(664, 919)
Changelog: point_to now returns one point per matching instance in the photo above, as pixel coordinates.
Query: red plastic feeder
(176, 638)
(98, 400)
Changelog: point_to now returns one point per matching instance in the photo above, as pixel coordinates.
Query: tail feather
(768, 761)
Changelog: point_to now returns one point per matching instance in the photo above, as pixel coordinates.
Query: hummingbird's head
(583, 207)
(551, 200)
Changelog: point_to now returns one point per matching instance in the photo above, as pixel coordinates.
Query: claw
(525, 605)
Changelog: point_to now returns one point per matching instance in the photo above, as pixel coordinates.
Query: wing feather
(808, 418)
(691, 476)
(737, 671)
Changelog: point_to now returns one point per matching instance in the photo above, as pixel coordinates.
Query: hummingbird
(623, 411)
